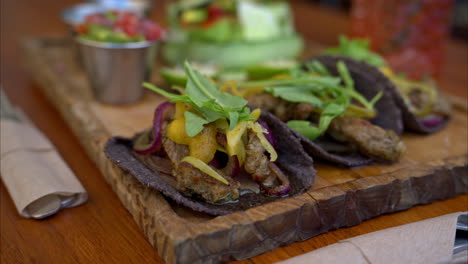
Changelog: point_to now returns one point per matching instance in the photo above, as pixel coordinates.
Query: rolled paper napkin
(428, 241)
(39, 182)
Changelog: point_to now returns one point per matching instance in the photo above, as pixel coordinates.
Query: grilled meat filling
(371, 140)
(192, 180)
(282, 109)
(175, 152)
(258, 164)
(302, 111)
(269, 103)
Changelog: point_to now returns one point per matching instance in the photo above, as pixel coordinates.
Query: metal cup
(77, 14)
(117, 70)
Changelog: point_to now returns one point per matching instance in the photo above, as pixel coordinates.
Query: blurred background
(316, 20)
(459, 22)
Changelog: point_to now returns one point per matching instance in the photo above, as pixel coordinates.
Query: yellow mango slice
(203, 167)
(235, 145)
(180, 110)
(176, 131)
(204, 145)
(257, 128)
(256, 113)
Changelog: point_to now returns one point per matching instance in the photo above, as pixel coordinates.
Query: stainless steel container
(76, 14)
(116, 70)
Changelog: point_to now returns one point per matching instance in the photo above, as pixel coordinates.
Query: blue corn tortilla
(318, 150)
(412, 122)
(368, 81)
(292, 160)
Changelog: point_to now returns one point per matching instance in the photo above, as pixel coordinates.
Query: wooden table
(102, 231)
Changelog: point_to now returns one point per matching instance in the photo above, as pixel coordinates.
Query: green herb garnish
(111, 16)
(209, 104)
(104, 33)
(357, 49)
(331, 95)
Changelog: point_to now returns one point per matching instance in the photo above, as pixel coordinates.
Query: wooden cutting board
(434, 167)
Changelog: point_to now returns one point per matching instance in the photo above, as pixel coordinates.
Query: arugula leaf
(175, 98)
(296, 95)
(357, 49)
(306, 128)
(200, 89)
(317, 67)
(244, 115)
(349, 83)
(376, 98)
(331, 95)
(194, 123)
(207, 101)
(210, 112)
(233, 118)
(343, 70)
(314, 82)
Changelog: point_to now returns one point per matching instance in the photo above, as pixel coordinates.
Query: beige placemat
(428, 241)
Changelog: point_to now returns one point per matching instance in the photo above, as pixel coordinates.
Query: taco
(424, 108)
(340, 114)
(211, 153)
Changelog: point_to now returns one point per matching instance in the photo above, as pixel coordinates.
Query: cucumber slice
(258, 22)
(176, 75)
(232, 75)
(239, 54)
(269, 69)
(223, 30)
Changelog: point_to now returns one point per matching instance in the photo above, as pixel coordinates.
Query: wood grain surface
(102, 230)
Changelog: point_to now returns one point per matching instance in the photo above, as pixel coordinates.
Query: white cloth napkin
(34, 173)
(428, 241)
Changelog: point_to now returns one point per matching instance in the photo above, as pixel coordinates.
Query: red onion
(232, 167)
(215, 163)
(280, 190)
(269, 136)
(432, 120)
(161, 114)
(233, 163)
